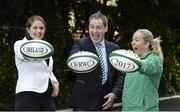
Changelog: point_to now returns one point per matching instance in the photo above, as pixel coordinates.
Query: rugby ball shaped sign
(36, 50)
(124, 60)
(82, 62)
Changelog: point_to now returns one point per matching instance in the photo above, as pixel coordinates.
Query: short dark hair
(99, 15)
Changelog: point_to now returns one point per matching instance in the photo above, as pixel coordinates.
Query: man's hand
(111, 97)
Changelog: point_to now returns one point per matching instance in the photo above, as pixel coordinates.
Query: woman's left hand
(55, 90)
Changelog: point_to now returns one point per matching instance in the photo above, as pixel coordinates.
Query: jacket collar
(146, 54)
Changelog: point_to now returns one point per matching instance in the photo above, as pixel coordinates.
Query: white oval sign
(82, 62)
(123, 64)
(124, 60)
(37, 49)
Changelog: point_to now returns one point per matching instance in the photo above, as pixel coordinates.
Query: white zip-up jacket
(32, 75)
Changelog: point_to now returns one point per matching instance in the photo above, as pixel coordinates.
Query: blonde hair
(154, 43)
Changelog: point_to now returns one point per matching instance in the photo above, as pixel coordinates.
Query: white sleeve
(53, 79)
(17, 51)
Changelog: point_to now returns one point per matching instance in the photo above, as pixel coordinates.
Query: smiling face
(97, 30)
(138, 44)
(36, 30)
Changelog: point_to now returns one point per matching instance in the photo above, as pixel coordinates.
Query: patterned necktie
(100, 54)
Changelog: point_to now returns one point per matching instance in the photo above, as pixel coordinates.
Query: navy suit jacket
(88, 92)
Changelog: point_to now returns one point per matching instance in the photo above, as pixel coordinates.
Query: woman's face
(97, 30)
(138, 44)
(36, 30)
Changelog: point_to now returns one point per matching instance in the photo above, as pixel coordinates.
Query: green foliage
(7, 74)
(126, 18)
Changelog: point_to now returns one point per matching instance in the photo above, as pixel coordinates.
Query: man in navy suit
(98, 89)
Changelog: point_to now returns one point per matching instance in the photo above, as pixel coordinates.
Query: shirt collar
(102, 42)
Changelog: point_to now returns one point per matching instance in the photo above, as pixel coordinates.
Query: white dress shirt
(32, 75)
(103, 48)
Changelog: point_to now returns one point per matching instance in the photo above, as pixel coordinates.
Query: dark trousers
(104, 91)
(97, 108)
(32, 101)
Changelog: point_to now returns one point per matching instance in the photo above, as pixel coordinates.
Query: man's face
(97, 30)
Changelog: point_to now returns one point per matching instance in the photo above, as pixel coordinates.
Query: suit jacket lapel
(108, 51)
(90, 46)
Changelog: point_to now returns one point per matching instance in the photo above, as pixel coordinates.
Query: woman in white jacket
(36, 84)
